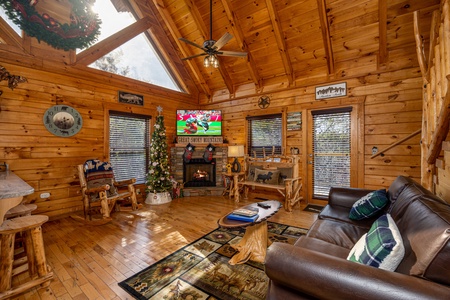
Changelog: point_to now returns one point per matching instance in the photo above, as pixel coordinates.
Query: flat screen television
(199, 122)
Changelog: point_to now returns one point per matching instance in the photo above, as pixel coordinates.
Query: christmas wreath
(82, 31)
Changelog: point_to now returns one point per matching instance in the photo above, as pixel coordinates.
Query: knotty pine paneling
(47, 162)
(392, 110)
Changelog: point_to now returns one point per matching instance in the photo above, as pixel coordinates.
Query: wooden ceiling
(290, 43)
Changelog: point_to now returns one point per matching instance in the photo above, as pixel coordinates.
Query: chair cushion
(382, 247)
(369, 205)
(99, 173)
(267, 176)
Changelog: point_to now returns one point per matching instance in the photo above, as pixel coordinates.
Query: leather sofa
(316, 266)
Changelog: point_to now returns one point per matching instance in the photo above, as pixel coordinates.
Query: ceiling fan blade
(191, 43)
(232, 53)
(193, 56)
(222, 41)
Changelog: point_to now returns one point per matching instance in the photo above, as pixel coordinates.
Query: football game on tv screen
(199, 122)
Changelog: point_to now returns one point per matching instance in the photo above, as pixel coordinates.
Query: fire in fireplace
(197, 172)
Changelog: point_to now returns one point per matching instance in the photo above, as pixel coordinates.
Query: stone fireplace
(198, 176)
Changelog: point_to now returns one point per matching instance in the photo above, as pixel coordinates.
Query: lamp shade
(236, 151)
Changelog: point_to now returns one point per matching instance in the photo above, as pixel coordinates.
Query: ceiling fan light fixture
(216, 62)
(206, 62)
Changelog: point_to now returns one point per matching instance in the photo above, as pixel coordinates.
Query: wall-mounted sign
(199, 139)
(331, 91)
(129, 98)
(294, 121)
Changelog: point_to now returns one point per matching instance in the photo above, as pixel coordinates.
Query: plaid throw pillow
(368, 205)
(382, 247)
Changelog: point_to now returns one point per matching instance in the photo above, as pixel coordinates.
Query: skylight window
(135, 59)
(10, 23)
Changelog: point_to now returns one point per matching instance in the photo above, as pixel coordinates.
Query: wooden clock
(63, 120)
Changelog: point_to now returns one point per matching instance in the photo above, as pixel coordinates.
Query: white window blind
(129, 145)
(264, 132)
(331, 148)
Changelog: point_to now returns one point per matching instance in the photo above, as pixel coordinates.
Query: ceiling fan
(211, 47)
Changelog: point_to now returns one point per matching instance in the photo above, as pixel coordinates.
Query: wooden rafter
(324, 26)
(382, 29)
(9, 36)
(239, 36)
(102, 48)
(280, 40)
(165, 15)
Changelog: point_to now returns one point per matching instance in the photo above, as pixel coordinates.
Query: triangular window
(10, 23)
(138, 58)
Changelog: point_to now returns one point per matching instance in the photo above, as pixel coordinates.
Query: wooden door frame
(357, 172)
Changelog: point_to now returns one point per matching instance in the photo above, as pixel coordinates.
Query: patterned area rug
(200, 270)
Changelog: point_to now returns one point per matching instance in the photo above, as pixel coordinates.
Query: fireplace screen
(199, 173)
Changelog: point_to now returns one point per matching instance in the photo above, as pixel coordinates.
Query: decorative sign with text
(199, 139)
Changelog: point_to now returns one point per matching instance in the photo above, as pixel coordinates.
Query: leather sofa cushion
(334, 232)
(340, 213)
(321, 246)
(425, 228)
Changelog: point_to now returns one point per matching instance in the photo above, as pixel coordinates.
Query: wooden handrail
(396, 143)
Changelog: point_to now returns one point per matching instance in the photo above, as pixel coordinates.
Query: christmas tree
(158, 177)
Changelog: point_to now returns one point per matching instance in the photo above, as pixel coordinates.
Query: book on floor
(235, 217)
(246, 212)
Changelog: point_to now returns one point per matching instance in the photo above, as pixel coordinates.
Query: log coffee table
(254, 243)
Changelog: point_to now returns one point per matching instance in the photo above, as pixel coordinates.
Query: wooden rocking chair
(100, 190)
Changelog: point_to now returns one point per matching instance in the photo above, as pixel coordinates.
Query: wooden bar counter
(12, 190)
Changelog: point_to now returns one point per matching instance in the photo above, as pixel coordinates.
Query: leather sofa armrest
(346, 197)
(327, 277)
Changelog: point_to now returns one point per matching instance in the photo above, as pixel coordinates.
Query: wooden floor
(88, 261)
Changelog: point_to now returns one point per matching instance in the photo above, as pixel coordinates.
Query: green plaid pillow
(382, 247)
(368, 205)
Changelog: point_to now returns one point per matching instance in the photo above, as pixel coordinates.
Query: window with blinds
(331, 150)
(129, 142)
(264, 132)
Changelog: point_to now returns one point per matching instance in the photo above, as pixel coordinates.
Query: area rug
(200, 270)
(313, 208)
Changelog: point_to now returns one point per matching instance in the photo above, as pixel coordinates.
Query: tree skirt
(158, 198)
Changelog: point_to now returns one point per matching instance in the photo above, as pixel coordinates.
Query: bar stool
(33, 241)
(20, 211)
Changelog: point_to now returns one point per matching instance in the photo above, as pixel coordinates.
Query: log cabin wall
(47, 162)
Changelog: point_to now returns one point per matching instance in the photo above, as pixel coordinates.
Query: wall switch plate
(45, 195)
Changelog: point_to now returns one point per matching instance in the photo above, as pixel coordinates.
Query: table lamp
(236, 151)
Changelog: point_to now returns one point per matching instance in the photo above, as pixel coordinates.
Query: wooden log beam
(442, 128)
(102, 48)
(419, 46)
(239, 35)
(9, 36)
(165, 15)
(435, 20)
(324, 26)
(279, 36)
(382, 28)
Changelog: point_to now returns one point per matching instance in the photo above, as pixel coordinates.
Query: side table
(254, 243)
(233, 188)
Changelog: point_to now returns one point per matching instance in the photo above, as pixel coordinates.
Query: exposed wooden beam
(195, 14)
(239, 36)
(9, 36)
(324, 26)
(165, 15)
(382, 29)
(279, 36)
(419, 46)
(434, 32)
(102, 48)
